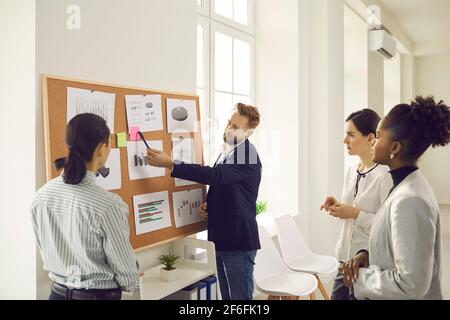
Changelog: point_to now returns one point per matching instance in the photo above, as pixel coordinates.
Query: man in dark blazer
(231, 203)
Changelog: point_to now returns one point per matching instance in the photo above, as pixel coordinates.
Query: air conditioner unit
(382, 42)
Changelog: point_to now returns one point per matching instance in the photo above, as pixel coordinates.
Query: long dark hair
(418, 126)
(83, 134)
(365, 120)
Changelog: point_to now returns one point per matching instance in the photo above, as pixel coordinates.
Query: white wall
(300, 90)
(376, 82)
(392, 82)
(148, 44)
(17, 131)
(356, 61)
(323, 104)
(322, 116)
(355, 67)
(408, 85)
(433, 78)
(277, 96)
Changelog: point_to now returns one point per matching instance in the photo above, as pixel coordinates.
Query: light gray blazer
(404, 246)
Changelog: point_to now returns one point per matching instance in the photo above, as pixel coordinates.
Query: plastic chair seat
(315, 264)
(294, 284)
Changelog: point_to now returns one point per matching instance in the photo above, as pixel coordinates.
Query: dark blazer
(234, 185)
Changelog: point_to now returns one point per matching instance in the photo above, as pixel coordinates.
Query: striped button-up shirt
(83, 234)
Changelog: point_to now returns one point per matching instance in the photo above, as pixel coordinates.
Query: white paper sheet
(181, 116)
(183, 150)
(144, 112)
(183, 183)
(85, 101)
(151, 212)
(114, 180)
(186, 206)
(137, 163)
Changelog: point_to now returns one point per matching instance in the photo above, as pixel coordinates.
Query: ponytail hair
(83, 135)
(420, 125)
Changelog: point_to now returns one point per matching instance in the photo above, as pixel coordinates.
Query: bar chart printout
(138, 168)
(151, 212)
(186, 206)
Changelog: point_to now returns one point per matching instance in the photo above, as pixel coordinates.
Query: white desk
(190, 271)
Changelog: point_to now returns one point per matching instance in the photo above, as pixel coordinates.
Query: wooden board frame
(54, 89)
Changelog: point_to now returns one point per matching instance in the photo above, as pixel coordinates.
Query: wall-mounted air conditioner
(382, 42)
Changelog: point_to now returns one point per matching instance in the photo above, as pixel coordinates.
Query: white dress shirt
(226, 150)
(371, 191)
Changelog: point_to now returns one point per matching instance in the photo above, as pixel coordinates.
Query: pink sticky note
(134, 133)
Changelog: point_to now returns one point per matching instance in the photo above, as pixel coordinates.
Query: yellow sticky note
(122, 140)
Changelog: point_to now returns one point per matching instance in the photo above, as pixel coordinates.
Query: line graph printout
(86, 101)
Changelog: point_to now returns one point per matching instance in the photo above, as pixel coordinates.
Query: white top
(405, 246)
(373, 189)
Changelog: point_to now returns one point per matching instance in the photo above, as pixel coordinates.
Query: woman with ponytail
(403, 259)
(81, 229)
(366, 186)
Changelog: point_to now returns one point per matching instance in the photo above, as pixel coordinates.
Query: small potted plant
(169, 273)
(261, 207)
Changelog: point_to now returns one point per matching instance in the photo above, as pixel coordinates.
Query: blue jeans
(235, 271)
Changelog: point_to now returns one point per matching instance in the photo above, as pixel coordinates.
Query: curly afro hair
(418, 126)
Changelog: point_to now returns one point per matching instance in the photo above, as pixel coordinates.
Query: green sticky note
(121, 140)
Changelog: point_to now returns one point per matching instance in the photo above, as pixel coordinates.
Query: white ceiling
(425, 22)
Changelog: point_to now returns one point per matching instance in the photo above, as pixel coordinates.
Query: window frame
(250, 29)
(234, 34)
(204, 22)
(204, 7)
(211, 23)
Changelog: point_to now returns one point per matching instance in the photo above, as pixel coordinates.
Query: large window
(225, 64)
(232, 74)
(225, 68)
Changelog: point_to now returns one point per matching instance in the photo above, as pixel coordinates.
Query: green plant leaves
(168, 261)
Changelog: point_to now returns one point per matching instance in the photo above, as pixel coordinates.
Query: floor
(445, 227)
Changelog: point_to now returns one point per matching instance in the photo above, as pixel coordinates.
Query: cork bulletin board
(55, 101)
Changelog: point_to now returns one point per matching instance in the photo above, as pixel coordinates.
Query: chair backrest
(293, 245)
(268, 260)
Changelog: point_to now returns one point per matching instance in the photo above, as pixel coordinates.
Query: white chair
(297, 255)
(273, 278)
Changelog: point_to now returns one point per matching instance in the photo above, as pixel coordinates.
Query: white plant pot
(169, 276)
